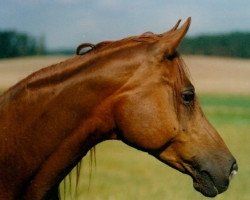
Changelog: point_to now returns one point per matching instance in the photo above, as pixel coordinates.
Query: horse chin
(205, 185)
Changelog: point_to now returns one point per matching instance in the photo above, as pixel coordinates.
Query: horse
(136, 90)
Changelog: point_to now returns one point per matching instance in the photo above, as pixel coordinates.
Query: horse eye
(187, 96)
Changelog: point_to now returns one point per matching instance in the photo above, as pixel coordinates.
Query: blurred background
(35, 34)
(39, 27)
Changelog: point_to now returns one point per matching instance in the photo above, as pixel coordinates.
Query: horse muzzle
(213, 181)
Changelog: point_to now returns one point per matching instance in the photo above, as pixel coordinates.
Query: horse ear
(170, 40)
(174, 28)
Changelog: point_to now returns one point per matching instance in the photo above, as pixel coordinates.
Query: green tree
(13, 44)
(232, 44)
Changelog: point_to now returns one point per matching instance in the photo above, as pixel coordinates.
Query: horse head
(158, 112)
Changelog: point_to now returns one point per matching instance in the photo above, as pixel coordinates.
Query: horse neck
(63, 108)
(67, 93)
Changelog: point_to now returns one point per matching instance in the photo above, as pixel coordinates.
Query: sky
(67, 23)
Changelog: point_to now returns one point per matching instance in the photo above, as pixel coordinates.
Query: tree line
(15, 44)
(231, 45)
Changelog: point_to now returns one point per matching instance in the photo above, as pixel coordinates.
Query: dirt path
(209, 74)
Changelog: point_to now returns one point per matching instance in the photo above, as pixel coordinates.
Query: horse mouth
(204, 183)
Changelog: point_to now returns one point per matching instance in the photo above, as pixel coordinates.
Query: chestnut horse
(135, 90)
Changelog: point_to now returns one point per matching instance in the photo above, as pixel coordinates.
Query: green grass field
(123, 173)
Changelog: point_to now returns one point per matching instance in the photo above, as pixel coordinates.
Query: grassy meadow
(121, 172)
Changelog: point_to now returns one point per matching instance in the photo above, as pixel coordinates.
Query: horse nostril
(234, 167)
(233, 170)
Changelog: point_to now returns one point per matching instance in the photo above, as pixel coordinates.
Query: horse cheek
(138, 124)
